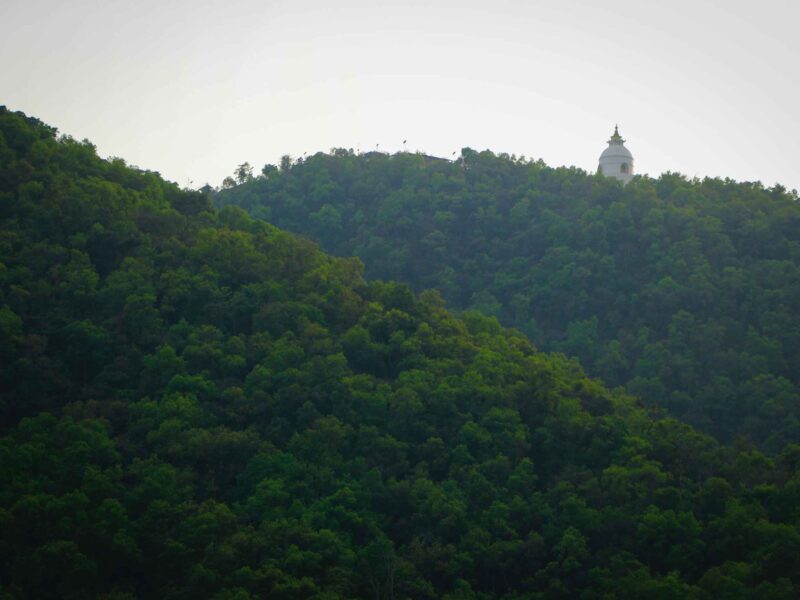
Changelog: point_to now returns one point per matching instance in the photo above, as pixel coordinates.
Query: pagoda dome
(616, 160)
(616, 151)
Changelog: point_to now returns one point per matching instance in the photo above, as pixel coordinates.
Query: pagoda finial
(616, 138)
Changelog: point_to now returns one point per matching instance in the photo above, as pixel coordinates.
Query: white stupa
(616, 160)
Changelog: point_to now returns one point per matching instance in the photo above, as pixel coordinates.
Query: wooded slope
(685, 292)
(196, 404)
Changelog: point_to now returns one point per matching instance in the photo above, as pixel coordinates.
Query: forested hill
(685, 292)
(198, 405)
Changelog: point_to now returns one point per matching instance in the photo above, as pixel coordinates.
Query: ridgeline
(196, 404)
(686, 293)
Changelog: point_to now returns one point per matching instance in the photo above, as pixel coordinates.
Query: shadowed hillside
(687, 293)
(198, 405)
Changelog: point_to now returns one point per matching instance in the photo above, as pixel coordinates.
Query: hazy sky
(193, 88)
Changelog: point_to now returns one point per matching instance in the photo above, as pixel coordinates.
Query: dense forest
(195, 404)
(687, 293)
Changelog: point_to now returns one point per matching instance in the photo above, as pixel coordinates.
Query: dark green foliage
(197, 405)
(685, 292)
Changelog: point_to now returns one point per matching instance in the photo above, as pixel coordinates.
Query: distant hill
(195, 404)
(687, 293)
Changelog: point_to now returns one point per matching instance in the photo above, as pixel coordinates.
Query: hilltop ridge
(685, 292)
(196, 404)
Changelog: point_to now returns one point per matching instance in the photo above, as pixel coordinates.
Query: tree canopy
(196, 404)
(685, 292)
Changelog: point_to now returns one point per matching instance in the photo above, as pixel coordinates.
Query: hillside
(687, 293)
(196, 404)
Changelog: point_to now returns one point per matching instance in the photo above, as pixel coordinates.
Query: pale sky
(193, 88)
